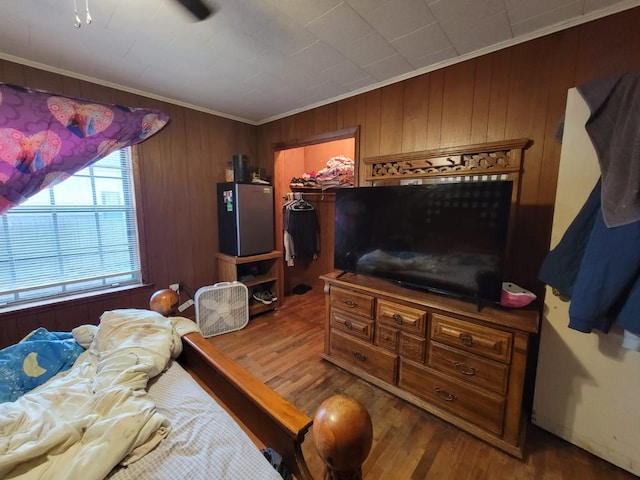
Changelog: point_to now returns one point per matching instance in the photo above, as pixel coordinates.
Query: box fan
(222, 308)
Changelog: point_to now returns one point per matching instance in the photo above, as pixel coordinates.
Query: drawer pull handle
(397, 318)
(466, 339)
(464, 368)
(360, 356)
(350, 303)
(348, 324)
(446, 396)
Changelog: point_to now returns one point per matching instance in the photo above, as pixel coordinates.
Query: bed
(151, 398)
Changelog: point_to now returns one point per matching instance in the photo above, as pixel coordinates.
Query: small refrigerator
(245, 218)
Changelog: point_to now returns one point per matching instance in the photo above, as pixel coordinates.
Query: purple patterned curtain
(46, 138)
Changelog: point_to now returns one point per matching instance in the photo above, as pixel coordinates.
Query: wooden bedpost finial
(342, 432)
(164, 301)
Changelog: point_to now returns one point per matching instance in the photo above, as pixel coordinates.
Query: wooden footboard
(274, 421)
(343, 432)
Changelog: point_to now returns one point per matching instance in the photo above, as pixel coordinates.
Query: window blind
(77, 236)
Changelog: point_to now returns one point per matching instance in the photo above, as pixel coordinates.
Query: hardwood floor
(283, 349)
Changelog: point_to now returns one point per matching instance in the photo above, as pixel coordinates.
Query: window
(77, 236)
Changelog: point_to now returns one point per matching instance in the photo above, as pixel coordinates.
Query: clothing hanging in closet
(301, 229)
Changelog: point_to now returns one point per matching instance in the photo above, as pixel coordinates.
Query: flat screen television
(445, 237)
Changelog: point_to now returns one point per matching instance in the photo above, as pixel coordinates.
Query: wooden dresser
(438, 353)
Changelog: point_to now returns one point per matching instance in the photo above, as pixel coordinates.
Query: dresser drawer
(387, 337)
(352, 324)
(405, 318)
(354, 302)
(469, 367)
(470, 337)
(412, 347)
(377, 362)
(484, 409)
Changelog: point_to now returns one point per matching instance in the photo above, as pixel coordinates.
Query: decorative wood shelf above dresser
(436, 352)
(494, 158)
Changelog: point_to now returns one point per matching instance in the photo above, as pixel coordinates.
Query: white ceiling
(258, 60)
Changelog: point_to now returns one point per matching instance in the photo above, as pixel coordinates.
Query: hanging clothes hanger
(301, 204)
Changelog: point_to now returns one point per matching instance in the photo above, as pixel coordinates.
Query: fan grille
(222, 308)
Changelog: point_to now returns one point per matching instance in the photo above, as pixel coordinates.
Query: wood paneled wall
(178, 171)
(513, 93)
(516, 92)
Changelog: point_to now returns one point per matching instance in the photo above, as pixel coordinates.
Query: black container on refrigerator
(245, 219)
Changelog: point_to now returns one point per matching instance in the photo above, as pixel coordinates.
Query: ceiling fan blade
(197, 7)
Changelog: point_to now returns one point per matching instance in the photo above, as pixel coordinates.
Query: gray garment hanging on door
(614, 129)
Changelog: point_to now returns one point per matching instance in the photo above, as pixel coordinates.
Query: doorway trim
(349, 132)
(279, 193)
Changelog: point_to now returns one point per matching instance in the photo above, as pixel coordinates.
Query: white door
(587, 387)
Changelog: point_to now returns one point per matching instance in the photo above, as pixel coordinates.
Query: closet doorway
(291, 161)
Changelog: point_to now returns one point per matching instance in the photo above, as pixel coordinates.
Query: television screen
(444, 237)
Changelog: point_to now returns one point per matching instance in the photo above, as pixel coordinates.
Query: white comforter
(85, 421)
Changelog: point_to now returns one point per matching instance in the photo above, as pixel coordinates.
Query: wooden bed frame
(343, 433)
